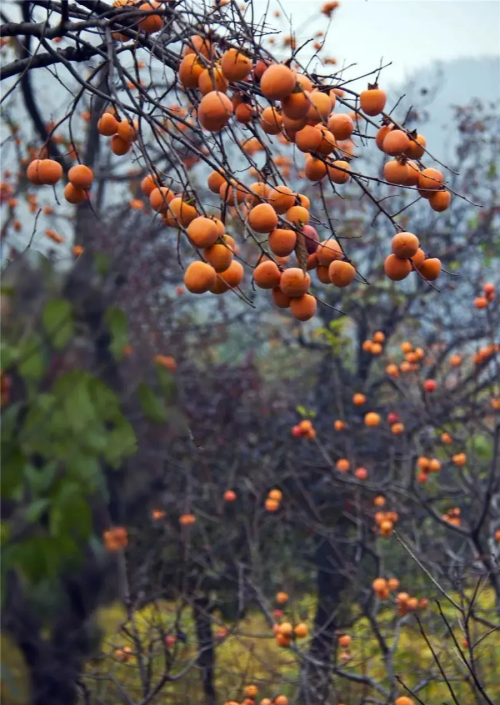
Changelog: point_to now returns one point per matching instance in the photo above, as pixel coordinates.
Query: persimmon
(32, 172)
(361, 473)
(277, 82)
(430, 268)
(271, 121)
(45, 171)
(341, 126)
(341, 273)
(396, 268)
(315, 169)
(159, 198)
(322, 274)
(339, 425)
(311, 237)
(392, 370)
(298, 215)
(480, 302)
(358, 399)
(418, 258)
(231, 192)
(214, 111)
(229, 278)
(440, 200)
(119, 146)
(413, 170)
(396, 172)
(152, 22)
(199, 277)
(282, 199)
(187, 519)
(308, 139)
(303, 308)
(429, 180)
(202, 231)
(215, 181)
(235, 66)
(199, 45)
(166, 361)
(280, 299)
(179, 213)
(260, 193)
(190, 70)
(107, 125)
(275, 494)
(262, 218)
(373, 100)
(282, 242)
(343, 465)
(251, 691)
(327, 144)
(81, 176)
(267, 275)
(272, 505)
(244, 113)
(382, 134)
(281, 700)
(404, 700)
(345, 641)
(405, 245)
(397, 428)
(328, 251)
(434, 465)
(339, 171)
(292, 126)
(127, 131)
(395, 142)
(294, 282)
(372, 419)
(301, 630)
(219, 256)
(74, 194)
(212, 79)
(320, 107)
(459, 459)
(416, 148)
(296, 105)
(148, 184)
(430, 385)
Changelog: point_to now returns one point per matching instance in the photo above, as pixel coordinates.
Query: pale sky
(410, 33)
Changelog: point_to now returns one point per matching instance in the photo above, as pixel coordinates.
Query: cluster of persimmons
(279, 104)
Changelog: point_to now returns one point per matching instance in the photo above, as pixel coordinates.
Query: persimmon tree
(235, 156)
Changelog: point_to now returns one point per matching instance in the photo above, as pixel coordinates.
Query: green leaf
(116, 321)
(103, 263)
(32, 363)
(57, 319)
(301, 410)
(121, 442)
(35, 510)
(40, 479)
(153, 408)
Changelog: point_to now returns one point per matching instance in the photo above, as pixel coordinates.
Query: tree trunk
(206, 651)
(317, 670)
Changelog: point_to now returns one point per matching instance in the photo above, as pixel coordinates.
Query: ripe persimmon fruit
(277, 82)
(294, 282)
(199, 277)
(262, 218)
(396, 268)
(373, 100)
(405, 245)
(341, 273)
(303, 308)
(267, 275)
(81, 176)
(214, 111)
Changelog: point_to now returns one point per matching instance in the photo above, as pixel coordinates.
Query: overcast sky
(410, 33)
